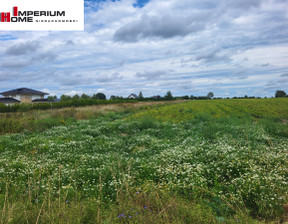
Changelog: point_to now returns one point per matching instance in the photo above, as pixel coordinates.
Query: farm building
(22, 95)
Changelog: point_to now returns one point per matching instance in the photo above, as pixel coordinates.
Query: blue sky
(190, 47)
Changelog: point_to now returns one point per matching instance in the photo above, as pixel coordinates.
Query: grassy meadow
(210, 161)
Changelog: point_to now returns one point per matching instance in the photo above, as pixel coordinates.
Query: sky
(190, 47)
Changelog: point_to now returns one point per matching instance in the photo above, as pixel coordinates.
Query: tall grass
(147, 203)
(57, 105)
(37, 120)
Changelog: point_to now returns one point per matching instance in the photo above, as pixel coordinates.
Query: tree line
(100, 99)
(140, 97)
(167, 96)
(97, 96)
(102, 96)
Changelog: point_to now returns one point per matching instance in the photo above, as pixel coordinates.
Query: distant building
(157, 97)
(22, 95)
(132, 96)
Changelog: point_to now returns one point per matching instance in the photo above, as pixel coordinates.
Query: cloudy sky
(191, 47)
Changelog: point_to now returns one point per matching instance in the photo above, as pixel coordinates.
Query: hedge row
(57, 105)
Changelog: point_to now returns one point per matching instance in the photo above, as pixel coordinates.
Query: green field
(210, 161)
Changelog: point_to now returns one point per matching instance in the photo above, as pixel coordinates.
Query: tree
(210, 95)
(76, 97)
(99, 96)
(280, 93)
(84, 96)
(112, 97)
(65, 98)
(140, 95)
(52, 98)
(168, 96)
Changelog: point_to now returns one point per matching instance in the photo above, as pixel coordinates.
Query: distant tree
(280, 93)
(76, 97)
(65, 98)
(52, 98)
(210, 95)
(168, 96)
(112, 97)
(140, 96)
(84, 96)
(186, 97)
(192, 97)
(99, 96)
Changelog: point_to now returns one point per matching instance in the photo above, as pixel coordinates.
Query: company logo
(42, 15)
(28, 16)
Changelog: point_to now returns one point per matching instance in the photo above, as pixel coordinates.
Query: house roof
(133, 95)
(42, 101)
(8, 100)
(23, 91)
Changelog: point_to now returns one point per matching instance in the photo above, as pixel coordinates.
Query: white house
(22, 95)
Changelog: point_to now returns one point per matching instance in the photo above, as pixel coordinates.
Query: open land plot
(195, 162)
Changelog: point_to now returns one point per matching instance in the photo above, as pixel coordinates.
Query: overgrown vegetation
(220, 161)
(58, 105)
(39, 120)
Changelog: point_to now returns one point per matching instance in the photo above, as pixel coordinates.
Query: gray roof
(23, 91)
(133, 95)
(8, 100)
(42, 100)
